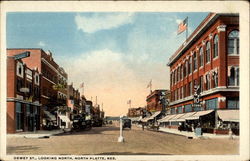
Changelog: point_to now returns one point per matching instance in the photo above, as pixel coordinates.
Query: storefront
(22, 116)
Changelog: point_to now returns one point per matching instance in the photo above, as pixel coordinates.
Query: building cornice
(207, 22)
(206, 93)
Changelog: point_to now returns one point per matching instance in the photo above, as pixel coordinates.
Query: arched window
(208, 52)
(201, 57)
(216, 46)
(233, 42)
(195, 61)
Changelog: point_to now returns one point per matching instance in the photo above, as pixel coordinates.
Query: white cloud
(101, 22)
(107, 75)
(41, 43)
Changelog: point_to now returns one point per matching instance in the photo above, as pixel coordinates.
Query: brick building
(153, 100)
(208, 61)
(74, 99)
(135, 112)
(53, 80)
(23, 97)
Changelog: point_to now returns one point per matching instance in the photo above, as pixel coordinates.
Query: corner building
(51, 75)
(209, 58)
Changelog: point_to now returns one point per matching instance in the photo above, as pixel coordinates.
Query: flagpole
(187, 30)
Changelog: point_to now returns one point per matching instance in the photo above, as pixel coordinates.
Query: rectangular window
(201, 83)
(19, 117)
(195, 61)
(211, 104)
(188, 108)
(233, 103)
(197, 109)
(179, 109)
(190, 89)
(173, 111)
(215, 79)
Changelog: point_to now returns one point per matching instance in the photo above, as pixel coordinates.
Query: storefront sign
(196, 96)
(22, 55)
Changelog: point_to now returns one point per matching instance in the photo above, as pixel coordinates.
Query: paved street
(103, 140)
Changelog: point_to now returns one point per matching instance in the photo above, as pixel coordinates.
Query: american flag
(150, 84)
(182, 26)
(81, 85)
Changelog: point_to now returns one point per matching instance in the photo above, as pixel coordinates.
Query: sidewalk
(38, 134)
(192, 134)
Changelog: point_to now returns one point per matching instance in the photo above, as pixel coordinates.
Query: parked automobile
(126, 123)
(79, 123)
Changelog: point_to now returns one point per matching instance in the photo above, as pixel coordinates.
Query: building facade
(53, 81)
(206, 66)
(154, 100)
(23, 97)
(135, 112)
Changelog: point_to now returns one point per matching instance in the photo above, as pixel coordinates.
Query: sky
(115, 54)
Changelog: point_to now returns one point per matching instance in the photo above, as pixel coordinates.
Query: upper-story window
(195, 61)
(208, 52)
(207, 81)
(201, 83)
(186, 72)
(181, 72)
(216, 46)
(190, 88)
(20, 69)
(233, 42)
(177, 73)
(201, 57)
(215, 79)
(233, 76)
(190, 65)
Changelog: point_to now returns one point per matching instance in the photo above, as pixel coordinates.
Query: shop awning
(177, 117)
(183, 117)
(229, 115)
(146, 119)
(50, 116)
(167, 118)
(134, 118)
(199, 114)
(64, 118)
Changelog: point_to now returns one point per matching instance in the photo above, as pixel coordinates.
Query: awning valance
(229, 115)
(198, 114)
(151, 117)
(50, 116)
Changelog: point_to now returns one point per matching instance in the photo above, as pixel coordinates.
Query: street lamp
(120, 138)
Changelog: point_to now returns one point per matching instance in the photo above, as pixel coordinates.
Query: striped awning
(146, 119)
(183, 117)
(229, 115)
(198, 114)
(167, 118)
(177, 117)
(49, 115)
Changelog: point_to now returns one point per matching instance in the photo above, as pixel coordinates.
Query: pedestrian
(143, 126)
